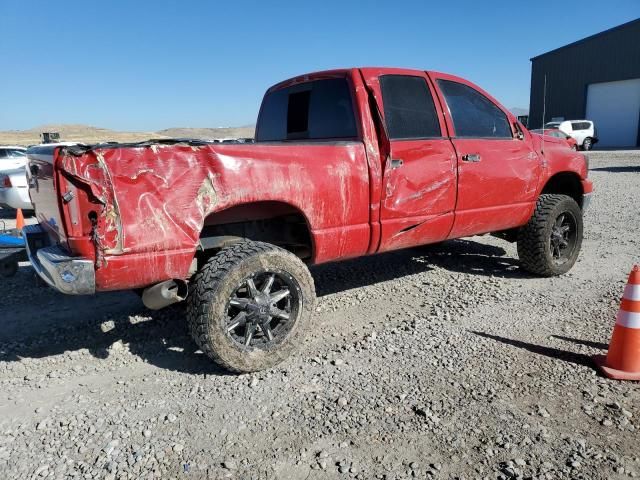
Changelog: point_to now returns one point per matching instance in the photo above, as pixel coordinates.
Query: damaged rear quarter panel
(154, 199)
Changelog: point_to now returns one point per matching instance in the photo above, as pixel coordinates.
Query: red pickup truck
(345, 163)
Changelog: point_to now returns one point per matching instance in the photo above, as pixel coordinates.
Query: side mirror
(519, 134)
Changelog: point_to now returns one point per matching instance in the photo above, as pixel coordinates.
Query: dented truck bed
(145, 205)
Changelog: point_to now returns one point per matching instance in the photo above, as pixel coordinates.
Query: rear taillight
(6, 182)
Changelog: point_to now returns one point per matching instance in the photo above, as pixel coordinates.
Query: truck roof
(338, 72)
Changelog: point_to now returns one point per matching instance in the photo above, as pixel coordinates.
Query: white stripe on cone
(628, 319)
(632, 292)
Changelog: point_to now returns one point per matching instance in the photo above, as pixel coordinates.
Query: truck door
(419, 180)
(498, 168)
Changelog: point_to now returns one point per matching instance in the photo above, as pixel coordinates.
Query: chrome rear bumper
(67, 274)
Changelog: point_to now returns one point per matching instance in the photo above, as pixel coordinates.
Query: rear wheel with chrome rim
(260, 309)
(250, 306)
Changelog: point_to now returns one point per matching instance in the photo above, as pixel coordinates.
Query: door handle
(395, 163)
(471, 157)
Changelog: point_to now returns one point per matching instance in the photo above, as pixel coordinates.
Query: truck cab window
(318, 110)
(298, 113)
(409, 111)
(473, 114)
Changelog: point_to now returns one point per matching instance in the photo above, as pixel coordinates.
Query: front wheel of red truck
(550, 242)
(251, 306)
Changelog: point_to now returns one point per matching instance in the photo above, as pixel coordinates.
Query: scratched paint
(157, 198)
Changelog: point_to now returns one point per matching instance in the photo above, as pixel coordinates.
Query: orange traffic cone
(623, 359)
(19, 219)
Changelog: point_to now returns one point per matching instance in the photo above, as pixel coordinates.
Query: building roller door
(614, 107)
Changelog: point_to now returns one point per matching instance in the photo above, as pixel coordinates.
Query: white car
(14, 184)
(13, 178)
(12, 157)
(14, 191)
(582, 131)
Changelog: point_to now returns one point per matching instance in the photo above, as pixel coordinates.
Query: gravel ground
(445, 361)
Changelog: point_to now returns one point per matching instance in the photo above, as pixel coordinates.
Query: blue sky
(134, 65)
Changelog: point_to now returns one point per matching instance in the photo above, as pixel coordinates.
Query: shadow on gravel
(42, 323)
(363, 271)
(161, 339)
(587, 343)
(464, 256)
(571, 357)
(625, 169)
(158, 338)
(475, 258)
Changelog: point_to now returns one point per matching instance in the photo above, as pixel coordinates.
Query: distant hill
(90, 134)
(517, 111)
(208, 133)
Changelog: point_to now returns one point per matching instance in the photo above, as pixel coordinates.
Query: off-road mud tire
(212, 288)
(534, 249)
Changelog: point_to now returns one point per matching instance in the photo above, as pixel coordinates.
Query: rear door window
(409, 111)
(317, 110)
(473, 114)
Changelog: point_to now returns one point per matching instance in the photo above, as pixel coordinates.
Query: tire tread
(532, 239)
(205, 286)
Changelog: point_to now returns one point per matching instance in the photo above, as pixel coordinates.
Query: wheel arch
(276, 222)
(565, 183)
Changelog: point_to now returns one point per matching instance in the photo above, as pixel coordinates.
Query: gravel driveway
(445, 361)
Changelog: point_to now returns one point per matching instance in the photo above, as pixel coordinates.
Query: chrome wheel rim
(563, 238)
(262, 309)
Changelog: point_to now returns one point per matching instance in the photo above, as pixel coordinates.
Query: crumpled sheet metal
(155, 199)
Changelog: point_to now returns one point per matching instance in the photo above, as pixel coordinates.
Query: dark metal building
(596, 78)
